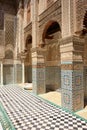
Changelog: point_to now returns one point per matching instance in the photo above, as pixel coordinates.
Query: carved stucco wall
(7, 39)
(7, 12)
(81, 7)
(10, 30)
(51, 13)
(1, 20)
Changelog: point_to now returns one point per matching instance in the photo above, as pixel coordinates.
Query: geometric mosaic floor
(28, 112)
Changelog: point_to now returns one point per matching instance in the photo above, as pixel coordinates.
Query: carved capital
(72, 49)
(20, 11)
(23, 55)
(73, 38)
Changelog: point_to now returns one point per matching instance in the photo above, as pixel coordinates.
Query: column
(1, 73)
(15, 73)
(71, 49)
(23, 56)
(23, 72)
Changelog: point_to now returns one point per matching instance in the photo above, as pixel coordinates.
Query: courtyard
(22, 110)
(43, 64)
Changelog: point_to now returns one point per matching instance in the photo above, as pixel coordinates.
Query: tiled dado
(38, 70)
(38, 76)
(85, 82)
(38, 73)
(72, 80)
(73, 66)
(72, 100)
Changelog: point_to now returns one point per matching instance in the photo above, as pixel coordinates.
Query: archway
(28, 60)
(84, 33)
(51, 35)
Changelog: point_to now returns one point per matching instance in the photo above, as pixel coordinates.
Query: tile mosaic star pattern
(28, 112)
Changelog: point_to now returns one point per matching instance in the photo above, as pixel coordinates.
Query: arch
(51, 35)
(28, 59)
(28, 40)
(50, 28)
(84, 31)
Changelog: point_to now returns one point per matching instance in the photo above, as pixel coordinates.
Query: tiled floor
(1, 127)
(28, 112)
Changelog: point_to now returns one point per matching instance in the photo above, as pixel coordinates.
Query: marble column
(23, 72)
(71, 49)
(23, 56)
(1, 73)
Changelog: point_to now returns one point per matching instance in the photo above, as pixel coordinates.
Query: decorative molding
(9, 47)
(72, 66)
(28, 28)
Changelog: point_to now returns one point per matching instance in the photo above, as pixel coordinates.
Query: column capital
(71, 49)
(21, 11)
(38, 50)
(72, 38)
(23, 56)
(38, 56)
